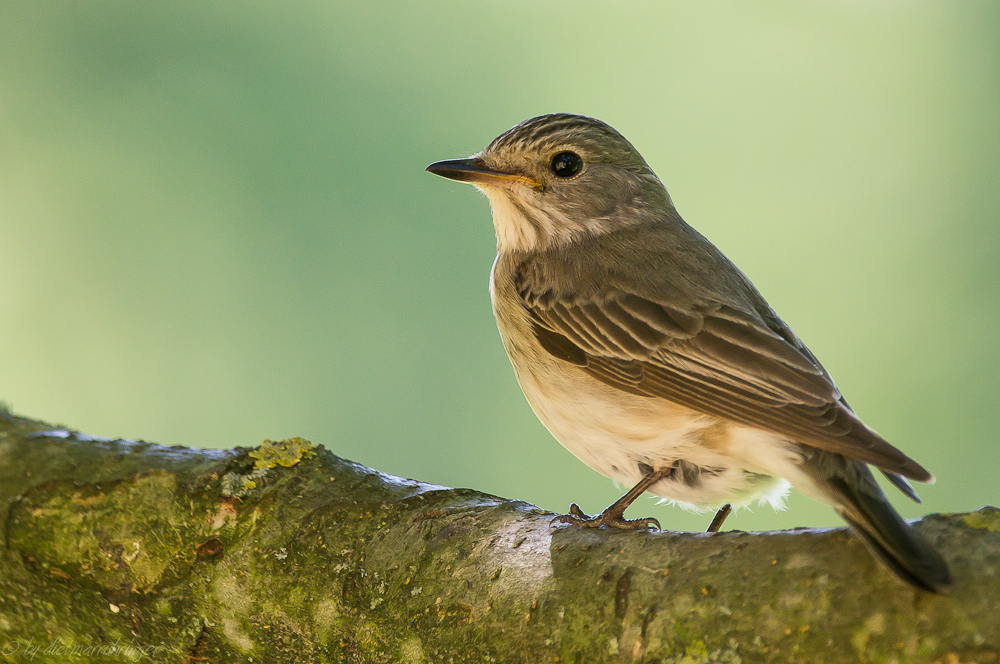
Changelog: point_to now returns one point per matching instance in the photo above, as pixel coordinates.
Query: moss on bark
(122, 549)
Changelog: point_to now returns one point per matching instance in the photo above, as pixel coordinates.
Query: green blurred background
(215, 226)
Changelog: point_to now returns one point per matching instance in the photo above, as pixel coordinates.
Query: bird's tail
(854, 493)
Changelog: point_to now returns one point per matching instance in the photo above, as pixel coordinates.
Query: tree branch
(292, 554)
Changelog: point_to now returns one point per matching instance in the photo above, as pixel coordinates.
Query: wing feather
(714, 359)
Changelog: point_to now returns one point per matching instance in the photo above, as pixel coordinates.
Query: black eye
(566, 164)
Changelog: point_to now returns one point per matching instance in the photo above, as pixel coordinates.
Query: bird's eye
(566, 164)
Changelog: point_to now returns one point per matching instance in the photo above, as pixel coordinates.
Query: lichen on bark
(204, 555)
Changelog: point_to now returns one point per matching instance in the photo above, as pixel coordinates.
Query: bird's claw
(576, 516)
(608, 518)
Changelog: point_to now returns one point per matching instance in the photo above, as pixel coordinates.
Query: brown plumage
(653, 359)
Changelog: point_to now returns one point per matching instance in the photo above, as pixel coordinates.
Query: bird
(654, 360)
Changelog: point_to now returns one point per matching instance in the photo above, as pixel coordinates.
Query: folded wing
(716, 359)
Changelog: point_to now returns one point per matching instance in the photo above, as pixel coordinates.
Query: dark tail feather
(859, 500)
(903, 485)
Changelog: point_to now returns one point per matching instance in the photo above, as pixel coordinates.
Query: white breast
(614, 432)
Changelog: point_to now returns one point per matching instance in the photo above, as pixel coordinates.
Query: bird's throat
(518, 228)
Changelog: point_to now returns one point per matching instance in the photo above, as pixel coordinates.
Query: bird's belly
(621, 436)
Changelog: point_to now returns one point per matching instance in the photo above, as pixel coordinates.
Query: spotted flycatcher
(654, 360)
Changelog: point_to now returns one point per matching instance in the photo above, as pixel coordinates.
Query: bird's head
(559, 177)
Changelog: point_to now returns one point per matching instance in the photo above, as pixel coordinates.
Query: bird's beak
(475, 171)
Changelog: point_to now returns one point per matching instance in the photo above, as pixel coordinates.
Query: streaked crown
(549, 133)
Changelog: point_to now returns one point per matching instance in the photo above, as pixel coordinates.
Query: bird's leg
(613, 515)
(720, 517)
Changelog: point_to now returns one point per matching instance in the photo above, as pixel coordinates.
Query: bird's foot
(611, 517)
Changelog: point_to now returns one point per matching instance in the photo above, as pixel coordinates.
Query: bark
(118, 550)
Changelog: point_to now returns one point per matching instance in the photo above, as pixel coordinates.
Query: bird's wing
(714, 358)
